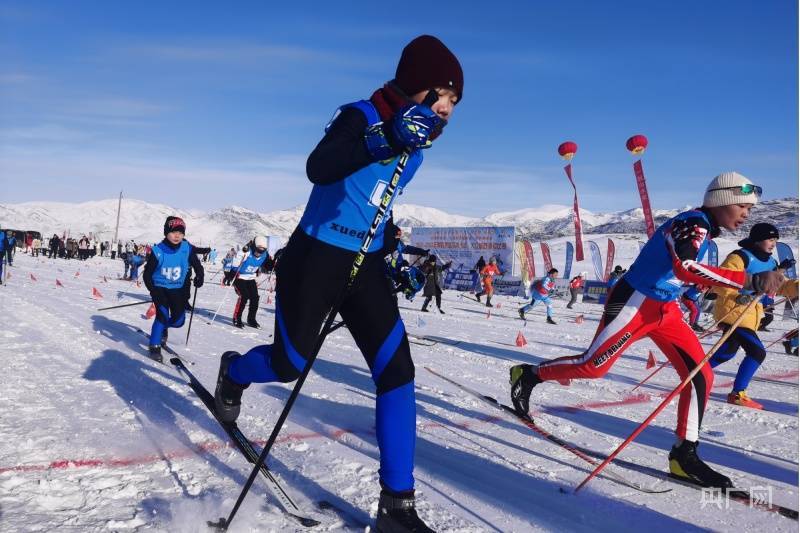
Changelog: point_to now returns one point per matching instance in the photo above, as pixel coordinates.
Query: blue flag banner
(713, 254)
(597, 260)
(784, 252)
(568, 261)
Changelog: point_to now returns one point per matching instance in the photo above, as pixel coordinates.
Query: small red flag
(78, 273)
(579, 319)
(96, 294)
(521, 339)
(489, 313)
(497, 305)
(151, 312)
(33, 278)
(651, 360)
(59, 284)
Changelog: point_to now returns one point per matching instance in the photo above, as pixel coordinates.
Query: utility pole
(116, 231)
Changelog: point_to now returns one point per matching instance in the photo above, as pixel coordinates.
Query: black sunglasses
(747, 188)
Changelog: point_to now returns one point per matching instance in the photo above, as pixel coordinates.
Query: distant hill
(227, 226)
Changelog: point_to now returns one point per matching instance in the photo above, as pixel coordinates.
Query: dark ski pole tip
(221, 524)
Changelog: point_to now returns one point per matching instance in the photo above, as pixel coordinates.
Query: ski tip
(307, 522)
(221, 524)
(176, 361)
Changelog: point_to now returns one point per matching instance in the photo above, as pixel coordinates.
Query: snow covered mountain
(142, 221)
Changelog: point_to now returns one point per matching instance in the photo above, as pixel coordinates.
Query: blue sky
(203, 105)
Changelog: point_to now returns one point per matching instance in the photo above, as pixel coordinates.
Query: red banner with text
(576, 216)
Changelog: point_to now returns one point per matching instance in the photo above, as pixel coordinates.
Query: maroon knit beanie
(427, 63)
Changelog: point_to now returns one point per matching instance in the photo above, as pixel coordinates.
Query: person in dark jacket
(54, 245)
(433, 282)
(615, 276)
(480, 264)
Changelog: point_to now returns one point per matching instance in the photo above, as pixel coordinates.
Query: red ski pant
(628, 316)
(694, 311)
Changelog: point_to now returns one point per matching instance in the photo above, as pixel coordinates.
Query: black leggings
(247, 291)
(438, 300)
(310, 276)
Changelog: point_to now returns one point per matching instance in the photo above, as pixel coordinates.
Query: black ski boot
(155, 353)
(440, 311)
(254, 324)
(228, 394)
(787, 345)
(396, 514)
(698, 328)
(521, 313)
(551, 321)
(237, 323)
(489, 301)
(424, 309)
(523, 379)
(478, 296)
(685, 464)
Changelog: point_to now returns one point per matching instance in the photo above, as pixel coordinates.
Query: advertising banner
(597, 261)
(568, 261)
(464, 245)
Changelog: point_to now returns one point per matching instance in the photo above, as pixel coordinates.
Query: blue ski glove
(415, 124)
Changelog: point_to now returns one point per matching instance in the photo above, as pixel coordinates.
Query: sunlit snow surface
(94, 436)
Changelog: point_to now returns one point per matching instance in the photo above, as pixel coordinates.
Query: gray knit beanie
(721, 191)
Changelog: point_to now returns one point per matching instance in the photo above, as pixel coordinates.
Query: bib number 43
(172, 274)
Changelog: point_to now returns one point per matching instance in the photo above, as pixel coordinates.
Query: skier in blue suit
(350, 169)
(164, 276)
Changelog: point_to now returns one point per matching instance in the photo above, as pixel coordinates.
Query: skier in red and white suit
(644, 304)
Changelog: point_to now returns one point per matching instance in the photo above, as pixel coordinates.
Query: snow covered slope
(228, 226)
(97, 437)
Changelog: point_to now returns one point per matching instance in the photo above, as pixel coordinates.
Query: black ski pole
(191, 316)
(124, 305)
(386, 200)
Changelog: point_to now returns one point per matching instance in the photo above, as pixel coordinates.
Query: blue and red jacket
(544, 286)
(671, 259)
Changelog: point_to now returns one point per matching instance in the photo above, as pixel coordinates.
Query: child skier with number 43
(164, 276)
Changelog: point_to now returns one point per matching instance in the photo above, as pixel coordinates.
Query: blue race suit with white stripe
(312, 273)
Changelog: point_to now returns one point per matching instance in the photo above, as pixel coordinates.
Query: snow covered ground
(97, 437)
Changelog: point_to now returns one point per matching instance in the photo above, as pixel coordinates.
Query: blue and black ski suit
(348, 185)
(166, 271)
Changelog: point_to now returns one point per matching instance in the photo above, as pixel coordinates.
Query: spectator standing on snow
(575, 286)
(433, 282)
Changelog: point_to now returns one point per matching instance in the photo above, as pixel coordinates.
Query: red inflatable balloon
(567, 150)
(636, 144)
